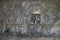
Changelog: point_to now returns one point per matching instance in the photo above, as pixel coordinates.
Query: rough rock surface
(30, 17)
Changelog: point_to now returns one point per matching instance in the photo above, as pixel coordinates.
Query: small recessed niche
(35, 17)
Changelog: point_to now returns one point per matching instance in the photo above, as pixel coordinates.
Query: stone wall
(15, 19)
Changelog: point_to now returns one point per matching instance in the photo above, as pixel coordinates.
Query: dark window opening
(35, 19)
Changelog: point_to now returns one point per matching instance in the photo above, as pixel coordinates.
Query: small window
(35, 19)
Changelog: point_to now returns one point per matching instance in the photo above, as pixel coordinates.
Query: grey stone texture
(29, 18)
